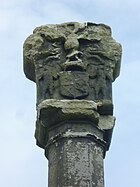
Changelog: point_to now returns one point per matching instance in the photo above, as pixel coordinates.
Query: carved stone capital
(72, 61)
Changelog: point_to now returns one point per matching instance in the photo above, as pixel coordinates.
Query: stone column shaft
(76, 156)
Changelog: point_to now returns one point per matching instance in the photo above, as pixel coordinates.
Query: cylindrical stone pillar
(73, 66)
(76, 157)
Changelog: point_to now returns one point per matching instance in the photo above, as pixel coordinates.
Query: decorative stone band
(71, 135)
(52, 111)
(59, 119)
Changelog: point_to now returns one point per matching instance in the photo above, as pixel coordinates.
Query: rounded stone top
(36, 47)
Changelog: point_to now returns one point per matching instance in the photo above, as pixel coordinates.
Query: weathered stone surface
(106, 123)
(73, 66)
(75, 151)
(80, 161)
(54, 112)
(72, 111)
(72, 61)
(65, 110)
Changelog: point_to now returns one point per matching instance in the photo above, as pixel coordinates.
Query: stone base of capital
(53, 113)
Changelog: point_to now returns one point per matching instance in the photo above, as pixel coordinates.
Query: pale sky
(22, 163)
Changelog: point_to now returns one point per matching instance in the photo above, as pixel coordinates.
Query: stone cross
(73, 66)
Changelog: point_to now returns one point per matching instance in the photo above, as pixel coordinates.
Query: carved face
(74, 61)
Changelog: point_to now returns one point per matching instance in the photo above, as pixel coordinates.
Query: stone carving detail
(72, 61)
(74, 85)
